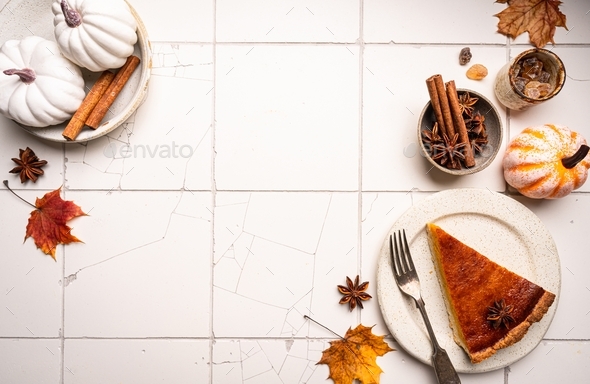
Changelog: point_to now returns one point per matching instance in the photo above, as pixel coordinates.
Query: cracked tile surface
(169, 150)
(154, 361)
(29, 284)
(152, 276)
(276, 148)
(279, 256)
(268, 361)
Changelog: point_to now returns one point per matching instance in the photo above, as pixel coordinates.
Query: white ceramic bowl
(22, 18)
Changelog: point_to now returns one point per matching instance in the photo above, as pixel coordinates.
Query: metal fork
(408, 282)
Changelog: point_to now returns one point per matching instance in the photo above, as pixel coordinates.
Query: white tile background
(294, 130)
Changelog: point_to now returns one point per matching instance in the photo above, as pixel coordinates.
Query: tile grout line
(505, 144)
(576, 192)
(507, 128)
(373, 43)
(360, 147)
(225, 338)
(213, 193)
(62, 340)
(342, 191)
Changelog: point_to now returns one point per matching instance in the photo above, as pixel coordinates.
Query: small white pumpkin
(38, 86)
(95, 34)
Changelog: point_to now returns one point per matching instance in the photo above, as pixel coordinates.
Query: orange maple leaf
(537, 17)
(47, 224)
(355, 356)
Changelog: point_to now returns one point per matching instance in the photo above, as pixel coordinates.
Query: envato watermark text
(163, 151)
(413, 149)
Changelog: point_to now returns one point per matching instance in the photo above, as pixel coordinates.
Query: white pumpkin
(38, 86)
(95, 34)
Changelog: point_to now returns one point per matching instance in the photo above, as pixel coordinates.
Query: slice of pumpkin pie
(489, 306)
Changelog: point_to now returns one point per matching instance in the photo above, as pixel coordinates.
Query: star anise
(449, 152)
(466, 103)
(28, 165)
(475, 125)
(478, 144)
(499, 314)
(354, 294)
(430, 138)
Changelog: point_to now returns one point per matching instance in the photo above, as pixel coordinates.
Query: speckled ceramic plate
(497, 226)
(22, 18)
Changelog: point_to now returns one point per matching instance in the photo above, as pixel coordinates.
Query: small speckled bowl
(26, 16)
(494, 130)
(505, 88)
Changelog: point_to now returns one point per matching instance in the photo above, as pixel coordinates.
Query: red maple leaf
(47, 224)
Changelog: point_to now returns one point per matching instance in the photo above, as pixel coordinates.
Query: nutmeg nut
(465, 56)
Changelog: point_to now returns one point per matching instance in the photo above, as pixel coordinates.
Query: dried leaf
(47, 224)
(537, 17)
(355, 356)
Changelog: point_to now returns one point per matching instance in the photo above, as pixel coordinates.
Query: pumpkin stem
(72, 16)
(27, 75)
(573, 160)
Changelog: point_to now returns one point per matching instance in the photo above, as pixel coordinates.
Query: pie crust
(471, 283)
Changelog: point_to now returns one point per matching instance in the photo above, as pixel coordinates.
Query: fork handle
(443, 367)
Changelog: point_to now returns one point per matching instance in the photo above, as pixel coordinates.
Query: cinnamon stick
(444, 105)
(77, 121)
(460, 123)
(112, 92)
(435, 102)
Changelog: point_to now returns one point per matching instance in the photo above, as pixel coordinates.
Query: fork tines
(400, 252)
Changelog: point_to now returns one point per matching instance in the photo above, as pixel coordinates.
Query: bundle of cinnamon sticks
(99, 99)
(445, 103)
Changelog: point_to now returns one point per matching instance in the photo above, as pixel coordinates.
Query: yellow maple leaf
(355, 356)
(537, 17)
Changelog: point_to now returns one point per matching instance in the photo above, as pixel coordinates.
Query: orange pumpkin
(546, 162)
